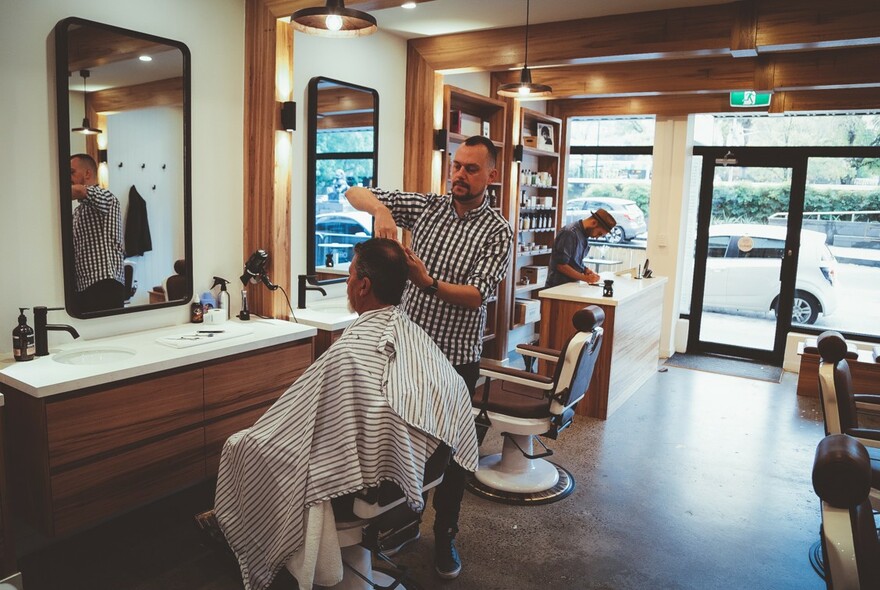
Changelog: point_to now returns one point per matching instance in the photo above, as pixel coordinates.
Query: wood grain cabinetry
(536, 210)
(87, 455)
(7, 549)
(465, 114)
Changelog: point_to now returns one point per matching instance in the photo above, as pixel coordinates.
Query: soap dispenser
(23, 345)
(223, 296)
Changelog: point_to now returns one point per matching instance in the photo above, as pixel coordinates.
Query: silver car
(629, 217)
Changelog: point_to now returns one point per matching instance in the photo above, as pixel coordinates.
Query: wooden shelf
(530, 151)
(541, 229)
(527, 288)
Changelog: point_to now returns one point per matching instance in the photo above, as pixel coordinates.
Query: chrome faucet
(41, 329)
(307, 283)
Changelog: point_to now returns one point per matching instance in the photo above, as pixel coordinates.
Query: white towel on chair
(319, 560)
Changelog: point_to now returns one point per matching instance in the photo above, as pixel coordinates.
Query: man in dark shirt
(97, 239)
(571, 247)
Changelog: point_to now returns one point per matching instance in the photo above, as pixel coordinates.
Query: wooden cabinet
(465, 114)
(536, 211)
(85, 456)
(8, 564)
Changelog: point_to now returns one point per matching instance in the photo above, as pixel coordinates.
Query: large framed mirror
(123, 106)
(343, 148)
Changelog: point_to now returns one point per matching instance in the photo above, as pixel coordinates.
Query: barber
(572, 246)
(460, 252)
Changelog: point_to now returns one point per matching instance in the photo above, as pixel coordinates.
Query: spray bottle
(223, 296)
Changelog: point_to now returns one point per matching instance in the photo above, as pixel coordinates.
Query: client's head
(377, 275)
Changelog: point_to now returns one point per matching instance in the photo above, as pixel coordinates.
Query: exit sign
(750, 98)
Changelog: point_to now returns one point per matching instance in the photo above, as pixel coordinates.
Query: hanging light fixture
(525, 87)
(333, 20)
(86, 128)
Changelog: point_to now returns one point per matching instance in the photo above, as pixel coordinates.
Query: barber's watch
(431, 289)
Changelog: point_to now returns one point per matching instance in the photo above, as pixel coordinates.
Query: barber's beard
(469, 196)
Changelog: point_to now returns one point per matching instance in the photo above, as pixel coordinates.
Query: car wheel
(616, 235)
(805, 309)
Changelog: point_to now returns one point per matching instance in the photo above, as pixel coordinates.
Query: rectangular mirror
(123, 107)
(343, 146)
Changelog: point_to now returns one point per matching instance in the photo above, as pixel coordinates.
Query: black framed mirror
(343, 150)
(124, 101)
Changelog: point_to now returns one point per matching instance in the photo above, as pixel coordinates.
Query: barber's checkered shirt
(97, 239)
(474, 250)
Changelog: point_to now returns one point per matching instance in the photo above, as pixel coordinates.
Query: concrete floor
(699, 481)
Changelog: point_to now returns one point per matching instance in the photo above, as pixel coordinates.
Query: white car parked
(742, 271)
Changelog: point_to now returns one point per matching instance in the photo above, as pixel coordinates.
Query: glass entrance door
(742, 302)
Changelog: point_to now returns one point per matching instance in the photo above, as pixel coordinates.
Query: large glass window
(610, 166)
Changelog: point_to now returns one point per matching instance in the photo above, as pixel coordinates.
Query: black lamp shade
(532, 90)
(86, 128)
(348, 21)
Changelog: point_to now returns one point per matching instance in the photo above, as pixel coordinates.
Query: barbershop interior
(301, 316)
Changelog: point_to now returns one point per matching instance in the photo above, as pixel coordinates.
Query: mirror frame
(62, 88)
(311, 175)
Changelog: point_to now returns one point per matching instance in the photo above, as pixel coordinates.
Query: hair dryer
(254, 272)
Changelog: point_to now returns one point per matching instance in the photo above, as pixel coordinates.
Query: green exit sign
(750, 98)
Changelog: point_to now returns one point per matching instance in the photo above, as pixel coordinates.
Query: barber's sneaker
(446, 559)
(393, 544)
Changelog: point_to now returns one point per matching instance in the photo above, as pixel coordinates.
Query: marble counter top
(327, 314)
(45, 376)
(625, 287)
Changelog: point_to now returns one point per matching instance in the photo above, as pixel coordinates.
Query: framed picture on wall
(545, 137)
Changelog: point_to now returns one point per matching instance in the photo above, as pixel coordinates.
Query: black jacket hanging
(137, 226)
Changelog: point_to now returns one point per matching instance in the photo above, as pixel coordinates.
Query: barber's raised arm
(363, 199)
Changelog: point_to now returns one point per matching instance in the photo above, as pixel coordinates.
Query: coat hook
(154, 187)
(143, 166)
(120, 164)
(163, 166)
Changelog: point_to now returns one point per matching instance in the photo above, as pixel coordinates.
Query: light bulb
(524, 90)
(145, 58)
(334, 22)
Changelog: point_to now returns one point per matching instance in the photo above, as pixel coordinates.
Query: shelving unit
(465, 114)
(536, 211)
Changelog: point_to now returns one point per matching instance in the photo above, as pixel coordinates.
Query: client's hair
(384, 261)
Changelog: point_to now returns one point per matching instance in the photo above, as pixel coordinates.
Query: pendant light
(86, 128)
(525, 88)
(333, 20)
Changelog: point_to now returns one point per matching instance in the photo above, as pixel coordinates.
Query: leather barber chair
(840, 405)
(366, 518)
(524, 406)
(850, 547)
(176, 284)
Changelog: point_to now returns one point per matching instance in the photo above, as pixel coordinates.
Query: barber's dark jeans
(448, 495)
(105, 294)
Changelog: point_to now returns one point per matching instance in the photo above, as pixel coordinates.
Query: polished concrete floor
(699, 481)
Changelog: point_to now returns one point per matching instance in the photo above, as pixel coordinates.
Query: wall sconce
(441, 136)
(102, 156)
(518, 152)
(288, 115)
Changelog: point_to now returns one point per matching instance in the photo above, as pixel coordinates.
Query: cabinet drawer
(239, 384)
(217, 432)
(100, 489)
(91, 424)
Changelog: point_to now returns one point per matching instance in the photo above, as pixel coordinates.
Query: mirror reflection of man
(97, 239)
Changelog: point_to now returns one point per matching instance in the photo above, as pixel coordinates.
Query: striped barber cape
(371, 408)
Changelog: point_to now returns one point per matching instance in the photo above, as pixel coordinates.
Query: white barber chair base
(511, 471)
(357, 557)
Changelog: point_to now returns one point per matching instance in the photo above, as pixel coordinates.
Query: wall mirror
(123, 98)
(343, 138)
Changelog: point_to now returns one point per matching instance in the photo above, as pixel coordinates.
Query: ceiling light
(525, 88)
(333, 20)
(409, 5)
(86, 128)
(145, 58)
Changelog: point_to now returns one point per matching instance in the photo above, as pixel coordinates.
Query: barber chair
(524, 406)
(175, 285)
(850, 547)
(840, 405)
(366, 518)
(130, 282)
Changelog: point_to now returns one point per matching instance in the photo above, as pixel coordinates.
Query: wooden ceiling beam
(784, 25)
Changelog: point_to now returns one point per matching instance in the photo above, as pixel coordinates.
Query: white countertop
(625, 287)
(45, 376)
(327, 314)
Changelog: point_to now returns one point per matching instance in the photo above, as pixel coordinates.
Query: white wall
(377, 61)
(30, 225)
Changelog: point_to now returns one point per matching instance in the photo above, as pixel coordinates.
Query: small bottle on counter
(23, 346)
(196, 314)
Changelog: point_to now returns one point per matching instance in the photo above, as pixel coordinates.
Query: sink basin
(331, 306)
(94, 356)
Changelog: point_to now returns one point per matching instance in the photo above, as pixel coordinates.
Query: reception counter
(631, 346)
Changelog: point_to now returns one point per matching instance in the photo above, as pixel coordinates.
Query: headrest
(841, 471)
(180, 266)
(588, 318)
(832, 346)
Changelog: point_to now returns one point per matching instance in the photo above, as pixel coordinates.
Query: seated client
(373, 407)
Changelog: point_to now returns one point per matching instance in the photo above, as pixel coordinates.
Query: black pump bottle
(23, 346)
